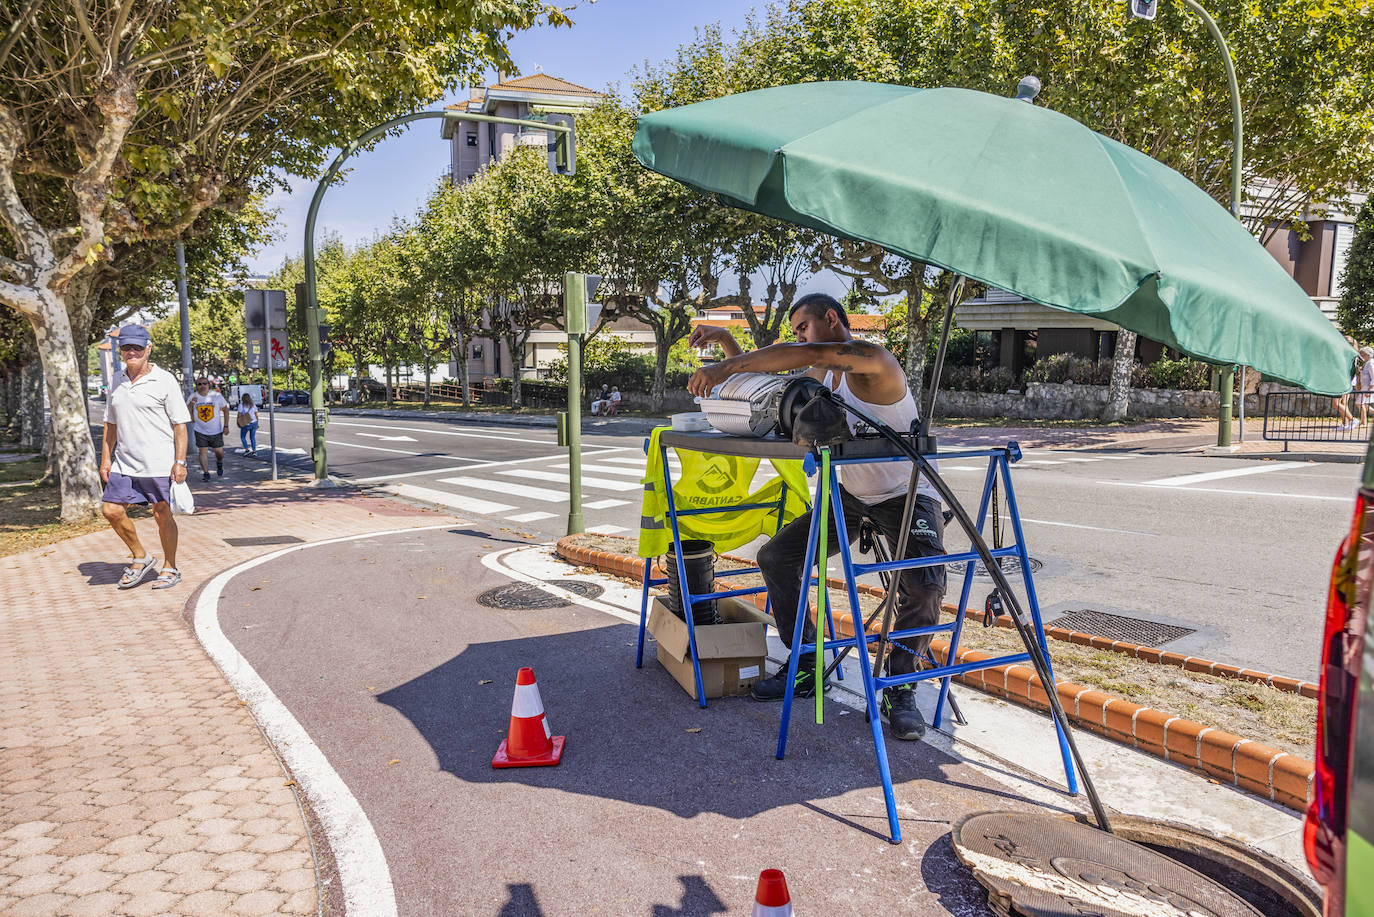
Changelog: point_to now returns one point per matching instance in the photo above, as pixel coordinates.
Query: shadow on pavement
(634, 736)
(101, 573)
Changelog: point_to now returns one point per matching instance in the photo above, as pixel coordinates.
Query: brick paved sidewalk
(132, 780)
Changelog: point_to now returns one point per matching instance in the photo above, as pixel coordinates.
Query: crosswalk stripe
(529, 517)
(510, 488)
(605, 504)
(604, 469)
(1040, 462)
(625, 461)
(561, 477)
(607, 529)
(459, 502)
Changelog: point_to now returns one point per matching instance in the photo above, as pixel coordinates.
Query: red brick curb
(1252, 766)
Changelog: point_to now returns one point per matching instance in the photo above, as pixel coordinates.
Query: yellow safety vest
(709, 480)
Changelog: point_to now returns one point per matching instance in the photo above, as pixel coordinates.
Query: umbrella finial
(1028, 88)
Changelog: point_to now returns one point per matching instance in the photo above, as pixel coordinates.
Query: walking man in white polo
(142, 453)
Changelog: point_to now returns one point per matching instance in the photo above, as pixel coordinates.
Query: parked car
(293, 396)
(361, 391)
(1338, 835)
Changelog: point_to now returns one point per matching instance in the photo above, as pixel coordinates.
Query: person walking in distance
(209, 417)
(142, 453)
(1364, 393)
(247, 419)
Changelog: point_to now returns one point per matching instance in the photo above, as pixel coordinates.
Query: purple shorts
(124, 489)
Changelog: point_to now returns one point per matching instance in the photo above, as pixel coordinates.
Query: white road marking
(944, 467)
(605, 469)
(399, 439)
(607, 529)
(1095, 528)
(363, 872)
(561, 477)
(1040, 462)
(510, 489)
(605, 504)
(373, 426)
(372, 448)
(459, 502)
(476, 463)
(625, 461)
(1220, 490)
(530, 517)
(1258, 468)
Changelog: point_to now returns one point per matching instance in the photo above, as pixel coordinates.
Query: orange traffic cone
(771, 899)
(529, 742)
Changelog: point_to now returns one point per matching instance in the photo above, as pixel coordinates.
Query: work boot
(903, 716)
(775, 687)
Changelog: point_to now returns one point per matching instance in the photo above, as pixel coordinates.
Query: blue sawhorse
(725, 445)
(999, 462)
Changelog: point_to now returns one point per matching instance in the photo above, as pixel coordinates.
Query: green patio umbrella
(1013, 195)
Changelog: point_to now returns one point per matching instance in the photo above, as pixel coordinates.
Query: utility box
(732, 653)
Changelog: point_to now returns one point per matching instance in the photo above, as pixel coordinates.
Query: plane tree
(126, 120)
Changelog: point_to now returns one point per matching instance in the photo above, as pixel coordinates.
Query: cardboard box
(732, 654)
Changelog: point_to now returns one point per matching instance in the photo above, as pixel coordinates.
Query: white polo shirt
(143, 413)
(207, 418)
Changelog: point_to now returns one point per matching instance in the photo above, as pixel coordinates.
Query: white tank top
(874, 482)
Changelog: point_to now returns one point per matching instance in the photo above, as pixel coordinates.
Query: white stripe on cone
(527, 703)
(763, 910)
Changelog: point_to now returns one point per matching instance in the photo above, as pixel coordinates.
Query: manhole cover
(528, 595)
(1011, 566)
(1120, 627)
(1042, 866)
(263, 539)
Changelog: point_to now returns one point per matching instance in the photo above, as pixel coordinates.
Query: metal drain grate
(262, 540)
(529, 596)
(1011, 566)
(1120, 627)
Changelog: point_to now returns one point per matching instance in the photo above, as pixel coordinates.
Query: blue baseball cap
(134, 334)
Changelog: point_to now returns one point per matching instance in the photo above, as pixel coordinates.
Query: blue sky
(609, 39)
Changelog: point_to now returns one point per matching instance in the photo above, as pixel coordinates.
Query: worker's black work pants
(919, 591)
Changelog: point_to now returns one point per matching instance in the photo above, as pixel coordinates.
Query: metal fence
(1307, 418)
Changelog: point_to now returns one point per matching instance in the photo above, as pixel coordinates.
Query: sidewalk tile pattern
(135, 782)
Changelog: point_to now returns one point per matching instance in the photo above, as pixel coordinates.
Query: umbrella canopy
(1013, 195)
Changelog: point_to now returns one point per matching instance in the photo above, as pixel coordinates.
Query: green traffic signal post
(561, 162)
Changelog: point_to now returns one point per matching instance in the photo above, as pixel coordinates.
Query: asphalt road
(1234, 550)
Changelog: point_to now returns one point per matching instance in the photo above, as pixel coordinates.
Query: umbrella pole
(955, 287)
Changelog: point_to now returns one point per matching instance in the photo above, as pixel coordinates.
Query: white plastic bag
(182, 500)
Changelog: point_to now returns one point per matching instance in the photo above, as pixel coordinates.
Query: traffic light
(579, 312)
(562, 153)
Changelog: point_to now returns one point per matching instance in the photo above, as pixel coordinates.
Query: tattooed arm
(858, 358)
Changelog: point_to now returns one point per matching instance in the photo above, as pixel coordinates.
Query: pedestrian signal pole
(562, 161)
(578, 292)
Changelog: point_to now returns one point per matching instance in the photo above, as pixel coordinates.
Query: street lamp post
(1145, 9)
(561, 160)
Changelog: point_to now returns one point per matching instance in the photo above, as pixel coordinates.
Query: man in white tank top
(869, 377)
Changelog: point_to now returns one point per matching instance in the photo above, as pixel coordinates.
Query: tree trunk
(390, 393)
(516, 395)
(917, 338)
(661, 347)
(1119, 392)
(32, 425)
(74, 454)
(461, 362)
(428, 374)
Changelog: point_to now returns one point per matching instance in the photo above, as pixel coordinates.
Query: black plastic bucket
(699, 559)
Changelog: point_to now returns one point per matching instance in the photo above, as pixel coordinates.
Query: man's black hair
(818, 304)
